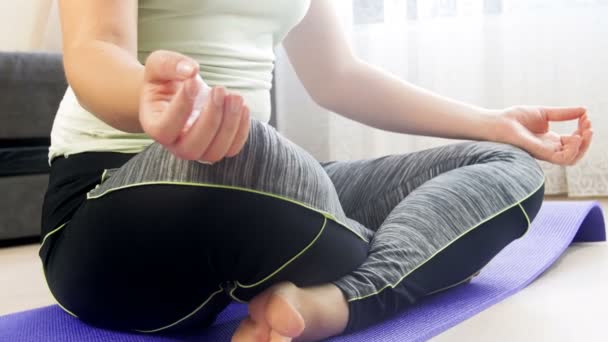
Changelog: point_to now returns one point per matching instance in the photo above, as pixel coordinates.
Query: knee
(267, 151)
(271, 163)
(529, 176)
(513, 160)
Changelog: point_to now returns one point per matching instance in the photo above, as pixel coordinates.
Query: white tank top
(233, 41)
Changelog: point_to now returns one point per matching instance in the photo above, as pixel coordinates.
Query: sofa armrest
(31, 87)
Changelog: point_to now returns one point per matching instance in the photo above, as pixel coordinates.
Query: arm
(100, 58)
(340, 82)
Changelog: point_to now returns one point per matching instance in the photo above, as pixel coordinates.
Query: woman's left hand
(528, 128)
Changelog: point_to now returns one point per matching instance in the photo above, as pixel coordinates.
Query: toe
(251, 331)
(283, 317)
(276, 337)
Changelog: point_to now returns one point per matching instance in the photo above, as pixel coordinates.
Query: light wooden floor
(22, 285)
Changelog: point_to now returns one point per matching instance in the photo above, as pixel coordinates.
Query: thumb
(162, 66)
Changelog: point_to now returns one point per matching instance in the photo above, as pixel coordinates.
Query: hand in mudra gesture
(168, 99)
(528, 128)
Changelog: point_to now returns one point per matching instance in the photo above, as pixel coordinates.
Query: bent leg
(269, 165)
(440, 214)
(163, 243)
(167, 257)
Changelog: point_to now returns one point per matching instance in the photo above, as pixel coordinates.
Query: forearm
(107, 81)
(373, 97)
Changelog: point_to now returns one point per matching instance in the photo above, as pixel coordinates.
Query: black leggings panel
(150, 256)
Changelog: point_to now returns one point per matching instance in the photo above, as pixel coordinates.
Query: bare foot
(285, 312)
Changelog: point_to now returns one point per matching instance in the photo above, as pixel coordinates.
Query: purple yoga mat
(556, 226)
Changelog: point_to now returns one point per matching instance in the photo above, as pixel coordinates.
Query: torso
(233, 41)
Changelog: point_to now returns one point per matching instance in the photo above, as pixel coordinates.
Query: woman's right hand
(166, 102)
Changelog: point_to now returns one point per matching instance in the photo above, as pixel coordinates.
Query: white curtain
(29, 25)
(494, 53)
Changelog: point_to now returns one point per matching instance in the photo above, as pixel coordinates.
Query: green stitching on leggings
(52, 294)
(51, 233)
(103, 175)
(527, 219)
(446, 246)
(458, 283)
(235, 298)
(180, 320)
(144, 331)
(238, 284)
(44, 271)
(324, 213)
(473, 275)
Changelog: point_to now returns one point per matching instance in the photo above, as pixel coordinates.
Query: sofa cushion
(32, 85)
(21, 205)
(23, 160)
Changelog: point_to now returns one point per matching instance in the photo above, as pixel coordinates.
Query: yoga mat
(556, 226)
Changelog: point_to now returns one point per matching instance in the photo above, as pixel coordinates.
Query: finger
(586, 142)
(586, 123)
(242, 134)
(580, 132)
(196, 140)
(165, 65)
(162, 91)
(571, 145)
(563, 114)
(165, 127)
(201, 97)
(227, 131)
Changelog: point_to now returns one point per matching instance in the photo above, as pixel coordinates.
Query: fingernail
(185, 68)
(218, 96)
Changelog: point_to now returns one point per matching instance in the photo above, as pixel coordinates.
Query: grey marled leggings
(430, 220)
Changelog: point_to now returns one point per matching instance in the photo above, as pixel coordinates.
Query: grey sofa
(31, 88)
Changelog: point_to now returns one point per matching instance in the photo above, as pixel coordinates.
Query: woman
(139, 235)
